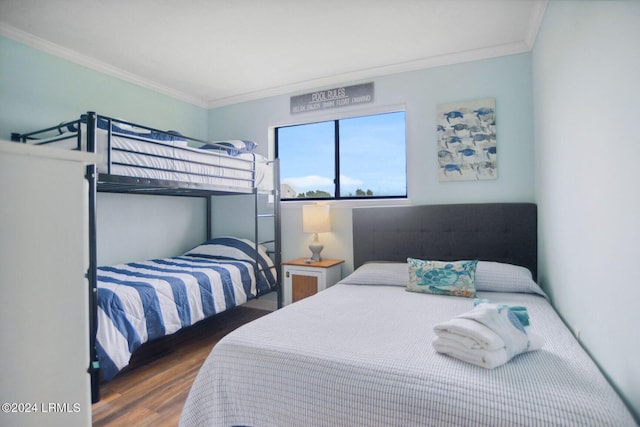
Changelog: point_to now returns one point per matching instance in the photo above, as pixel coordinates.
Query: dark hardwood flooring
(153, 389)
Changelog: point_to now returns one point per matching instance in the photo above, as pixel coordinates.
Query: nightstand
(302, 280)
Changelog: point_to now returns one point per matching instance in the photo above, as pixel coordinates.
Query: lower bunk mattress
(142, 301)
(361, 353)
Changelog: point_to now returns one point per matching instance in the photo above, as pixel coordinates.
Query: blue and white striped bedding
(142, 301)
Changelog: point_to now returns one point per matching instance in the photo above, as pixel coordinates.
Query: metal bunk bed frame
(105, 182)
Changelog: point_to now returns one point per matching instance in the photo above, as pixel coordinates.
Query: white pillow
(379, 273)
(490, 277)
(233, 147)
(230, 248)
(501, 277)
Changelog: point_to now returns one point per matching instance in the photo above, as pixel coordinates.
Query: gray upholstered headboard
(503, 232)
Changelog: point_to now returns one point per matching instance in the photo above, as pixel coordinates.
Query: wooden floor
(153, 390)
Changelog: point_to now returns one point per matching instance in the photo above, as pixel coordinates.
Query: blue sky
(372, 155)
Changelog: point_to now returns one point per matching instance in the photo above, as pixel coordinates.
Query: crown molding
(341, 79)
(94, 64)
(535, 22)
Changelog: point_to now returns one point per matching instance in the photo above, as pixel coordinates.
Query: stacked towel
(487, 336)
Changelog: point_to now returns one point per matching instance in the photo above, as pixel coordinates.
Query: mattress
(173, 160)
(146, 300)
(362, 355)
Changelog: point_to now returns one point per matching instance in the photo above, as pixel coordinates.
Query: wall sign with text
(332, 98)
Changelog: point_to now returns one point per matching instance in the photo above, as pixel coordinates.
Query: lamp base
(316, 247)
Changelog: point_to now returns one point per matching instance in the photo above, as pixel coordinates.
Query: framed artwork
(467, 140)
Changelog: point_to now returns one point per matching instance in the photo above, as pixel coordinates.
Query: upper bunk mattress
(173, 160)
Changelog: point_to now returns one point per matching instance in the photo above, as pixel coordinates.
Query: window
(358, 157)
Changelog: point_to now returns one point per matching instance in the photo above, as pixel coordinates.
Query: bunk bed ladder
(277, 230)
(275, 215)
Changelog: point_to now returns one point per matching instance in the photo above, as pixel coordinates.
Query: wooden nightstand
(302, 280)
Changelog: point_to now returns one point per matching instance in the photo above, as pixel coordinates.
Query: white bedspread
(357, 355)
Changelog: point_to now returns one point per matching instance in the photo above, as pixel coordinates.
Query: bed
(140, 301)
(361, 352)
(152, 159)
(146, 300)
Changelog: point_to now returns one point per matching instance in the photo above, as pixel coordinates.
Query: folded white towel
(477, 335)
(488, 336)
(488, 359)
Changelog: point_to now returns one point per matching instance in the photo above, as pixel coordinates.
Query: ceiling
(218, 52)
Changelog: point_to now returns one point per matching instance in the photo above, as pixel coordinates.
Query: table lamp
(315, 219)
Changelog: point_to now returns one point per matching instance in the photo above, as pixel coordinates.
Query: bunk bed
(139, 301)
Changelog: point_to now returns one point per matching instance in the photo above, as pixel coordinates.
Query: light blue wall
(586, 65)
(39, 90)
(508, 79)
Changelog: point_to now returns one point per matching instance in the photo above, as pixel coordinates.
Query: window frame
(336, 120)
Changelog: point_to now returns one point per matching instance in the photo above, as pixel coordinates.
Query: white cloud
(310, 182)
(303, 184)
(347, 181)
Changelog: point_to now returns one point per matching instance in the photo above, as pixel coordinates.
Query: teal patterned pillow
(442, 277)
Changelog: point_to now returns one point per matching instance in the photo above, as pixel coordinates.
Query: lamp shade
(316, 219)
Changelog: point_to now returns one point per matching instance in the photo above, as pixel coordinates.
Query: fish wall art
(467, 146)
